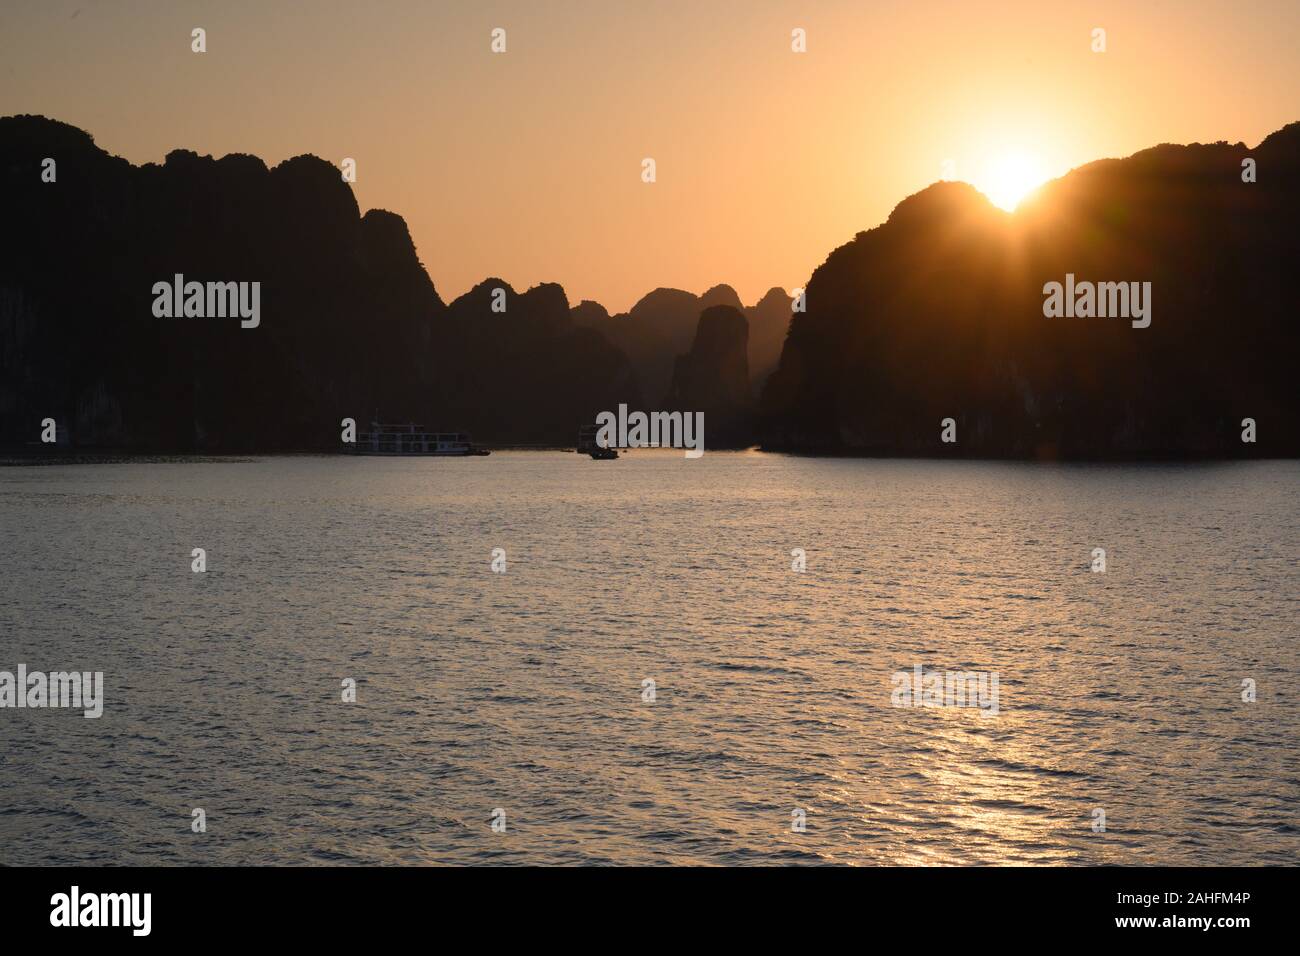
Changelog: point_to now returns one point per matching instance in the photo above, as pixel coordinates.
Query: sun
(1009, 177)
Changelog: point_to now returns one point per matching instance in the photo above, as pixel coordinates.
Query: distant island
(939, 315)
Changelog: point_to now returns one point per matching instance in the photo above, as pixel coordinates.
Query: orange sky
(527, 164)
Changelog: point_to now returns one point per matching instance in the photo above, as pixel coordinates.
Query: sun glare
(1009, 177)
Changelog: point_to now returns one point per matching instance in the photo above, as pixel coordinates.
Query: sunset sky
(527, 164)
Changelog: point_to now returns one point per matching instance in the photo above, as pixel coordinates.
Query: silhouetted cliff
(713, 378)
(529, 373)
(769, 320)
(939, 313)
(350, 323)
(662, 325)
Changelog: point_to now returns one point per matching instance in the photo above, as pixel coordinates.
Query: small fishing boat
(587, 444)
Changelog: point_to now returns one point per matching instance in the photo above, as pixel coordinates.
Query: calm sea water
(523, 690)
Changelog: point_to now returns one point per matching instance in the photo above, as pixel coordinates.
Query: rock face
(662, 325)
(529, 373)
(656, 330)
(769, 320)
(589, 314)
(350, 323)
(939, 313)
(713, 378)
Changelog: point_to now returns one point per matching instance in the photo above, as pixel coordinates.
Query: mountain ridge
(935, 312)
